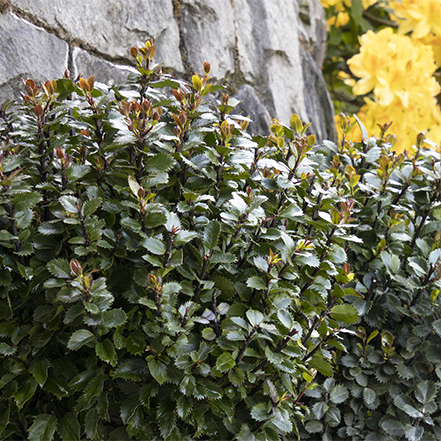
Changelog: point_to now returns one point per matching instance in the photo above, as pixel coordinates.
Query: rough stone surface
(270, 52)
(252, 106)
(317, 94)
(111, 27)
(102, 70)
(208, 33)
(27, 52)
(312, 29)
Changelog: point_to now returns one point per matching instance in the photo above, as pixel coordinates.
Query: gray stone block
(269, 53)
(252, 106)
(112, 27)
(318, 103)
(276, 47)
(27, 51)
(208, 34)
(312, 28)
(102, 70)
(272, 38)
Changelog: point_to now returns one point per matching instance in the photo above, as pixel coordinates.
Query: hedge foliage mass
(167, 276)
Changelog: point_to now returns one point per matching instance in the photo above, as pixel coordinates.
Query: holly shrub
(164, 275)
(167, 276)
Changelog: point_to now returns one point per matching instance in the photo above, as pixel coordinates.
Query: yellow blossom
(421, 17)
(398, 71)
(434, 41)
(338, 20)
(339, 5)
(407, 123)
(341, 17)
(367, 3)
(394, 66)
(347, 79)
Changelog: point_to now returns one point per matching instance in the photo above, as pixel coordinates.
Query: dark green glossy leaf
(285, 318)
(64, 88)
(24, 218)
(185, 236)
(236, 376)
(153, 220)
(38, 369)
(339, 394)
(25, 392)
(425, 391)
(260, 412)
(106, 352)
(134, 370)
(59, 268)
(70, 203)
(43, 428)
(406, 404)
(319, 409)
(6, 350)
(255, 317)
(95, 386)
(91, 206)
(414, 433)
(113, 318)
(281, 420)
(223, 258)
(49, 228)
(245, 434)
(256, 283)
(70, 428)
(26, 200)
(369, 396)
(391, 261)
(136, 343)
(308, 259)
(4, 417)
(323, 366)
(211, 235)
(314, 426)
(80, 338)
(392, 427)
(208, 334)
(436, 324)
(337, 254)
(91, 423)
(158, 370)
(154, 246)
(225, 362)
(344, 313)
(159, 163)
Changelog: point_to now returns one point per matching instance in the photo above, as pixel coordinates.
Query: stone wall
(268, 52)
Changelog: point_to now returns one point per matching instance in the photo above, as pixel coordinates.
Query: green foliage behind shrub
(387, 384)
(166, 276)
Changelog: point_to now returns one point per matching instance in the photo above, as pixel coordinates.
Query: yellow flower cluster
(423, 19)
(399, 72)
(394, 66)
(407, 123)
(340, 7)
